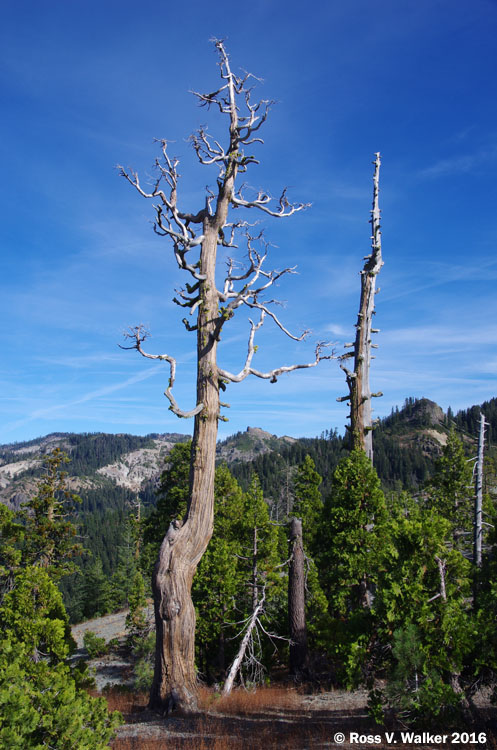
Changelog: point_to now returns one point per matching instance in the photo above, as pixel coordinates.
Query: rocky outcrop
(245, 446)
(138, 467)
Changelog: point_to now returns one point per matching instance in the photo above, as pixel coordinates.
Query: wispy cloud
(338, 330)
(460, 163)
(442, 337)
(90, 396)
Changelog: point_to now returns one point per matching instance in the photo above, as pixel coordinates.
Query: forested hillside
(406, 444)
(366, 533)
(111, 473)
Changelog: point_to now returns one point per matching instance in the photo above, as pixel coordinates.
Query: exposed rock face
(245, 446)
(132, 470)
(139, 466)
(19, 465)
(425, 412)
(9, 471)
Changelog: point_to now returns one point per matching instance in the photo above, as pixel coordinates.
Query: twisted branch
(139, 335)
(272, 375)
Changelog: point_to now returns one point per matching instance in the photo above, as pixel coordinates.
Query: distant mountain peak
(259, 432)
(424, 410)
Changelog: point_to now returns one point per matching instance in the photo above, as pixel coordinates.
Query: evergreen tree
(350, 533)
(11, 536)
(450, 490)
(218, 581)
(97, 596)
(259, 542)
(172, 500)
(136, 620)
(308, 504)
(124, 579)
(49, 539)
(42, 704)
(423, 615)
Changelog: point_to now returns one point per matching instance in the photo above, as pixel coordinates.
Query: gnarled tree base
(175, 683)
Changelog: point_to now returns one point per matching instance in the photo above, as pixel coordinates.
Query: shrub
(95, 645)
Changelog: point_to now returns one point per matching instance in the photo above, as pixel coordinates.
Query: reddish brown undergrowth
(264, 700)
(273, 718)
(124, 701)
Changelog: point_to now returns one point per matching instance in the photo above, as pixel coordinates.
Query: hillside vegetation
(392, 600)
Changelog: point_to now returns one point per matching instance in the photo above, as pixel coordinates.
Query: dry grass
(123, 700)
(270, 718)
(204, 739)
(273, 718)
(263, 700)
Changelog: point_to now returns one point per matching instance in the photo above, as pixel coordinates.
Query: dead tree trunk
(174, 682)
(296, 600)
(228, 685)
(454, 675)
(359, 397)
(478, 525)
(174, 675)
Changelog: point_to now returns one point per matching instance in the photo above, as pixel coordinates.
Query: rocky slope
(89, 468)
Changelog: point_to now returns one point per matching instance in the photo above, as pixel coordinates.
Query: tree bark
(478, 526)
(228, 685)
(296, 601)
(174, 682)
(359, 397)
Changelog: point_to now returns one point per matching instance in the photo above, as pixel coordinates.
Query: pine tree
(350, 533)
(42, 704)
(308, 504)
(49, 539)
(450, 491)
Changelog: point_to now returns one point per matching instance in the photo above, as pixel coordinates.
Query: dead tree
(296, 600)
(359, 397)
(251, 624)
(195, 238)
(478, 519)
(454, 674)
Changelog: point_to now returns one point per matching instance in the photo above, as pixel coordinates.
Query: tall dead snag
(296, 600)
(478, 519)
(359, 397)
(195, 238)
(250, 625)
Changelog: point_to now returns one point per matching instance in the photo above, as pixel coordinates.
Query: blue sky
(88, 85)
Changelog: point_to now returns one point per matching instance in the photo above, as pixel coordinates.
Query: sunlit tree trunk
(296, 600)
(185, 542)
(359, 397)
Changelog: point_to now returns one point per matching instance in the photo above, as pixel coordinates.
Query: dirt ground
(273, 718)
(282, 719)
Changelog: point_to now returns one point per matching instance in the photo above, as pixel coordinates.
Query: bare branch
(272, 375)
(138, 334)
(243, 646)
(262, 201)
(264, 309)
(249, 294)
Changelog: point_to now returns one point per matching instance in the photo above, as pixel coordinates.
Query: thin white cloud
(92, 395)
(338, 330)
(460, 164)
(441, 337)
